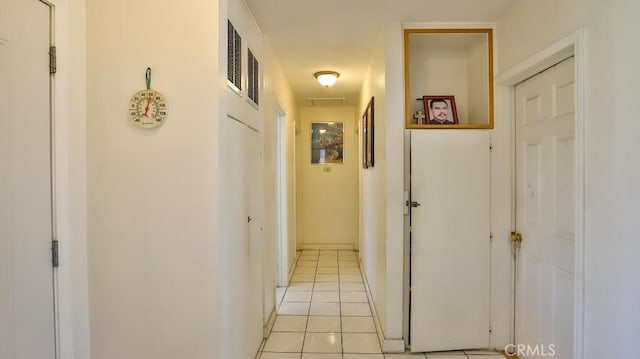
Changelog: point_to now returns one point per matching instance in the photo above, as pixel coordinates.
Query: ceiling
(339, 35)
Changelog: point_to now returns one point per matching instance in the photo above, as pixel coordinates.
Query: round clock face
(148, 109)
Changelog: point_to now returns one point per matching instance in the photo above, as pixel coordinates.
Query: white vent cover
(327, 102)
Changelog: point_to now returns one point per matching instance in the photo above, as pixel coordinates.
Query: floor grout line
(335, 255)
(306, 327)
(314, 285)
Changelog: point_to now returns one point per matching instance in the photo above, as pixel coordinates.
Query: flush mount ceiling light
(326, 78)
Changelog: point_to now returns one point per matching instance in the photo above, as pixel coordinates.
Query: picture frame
(440, 110)
(327, 142)
(368, 121)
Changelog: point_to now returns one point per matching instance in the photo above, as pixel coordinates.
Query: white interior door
(450, 231)
(26, 273)
(545, 209)
(241, 241)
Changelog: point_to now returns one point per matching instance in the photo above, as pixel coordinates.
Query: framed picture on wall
(327, 142)
(368, 135)
(440, 110)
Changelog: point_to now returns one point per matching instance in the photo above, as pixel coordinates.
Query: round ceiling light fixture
(326, 78)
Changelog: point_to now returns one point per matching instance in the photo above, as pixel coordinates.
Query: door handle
(413, 204)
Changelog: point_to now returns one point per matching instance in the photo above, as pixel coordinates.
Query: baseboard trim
(293, 267)
(335, 246)
(266, 329)
(393, 346)
(388, 345)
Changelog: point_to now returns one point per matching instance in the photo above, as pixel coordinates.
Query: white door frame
(54, 185)
(69, 180)
(282, 199)
(572, 44)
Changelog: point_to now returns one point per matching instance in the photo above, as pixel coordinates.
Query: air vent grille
(327, 102)
(234, 56)
(253, 74)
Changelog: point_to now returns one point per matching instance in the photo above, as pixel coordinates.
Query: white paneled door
(545, 211)
(450, 235)
(26, 272)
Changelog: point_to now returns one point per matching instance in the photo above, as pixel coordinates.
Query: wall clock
(148, 108)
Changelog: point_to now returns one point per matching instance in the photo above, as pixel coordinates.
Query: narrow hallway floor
(325, 314)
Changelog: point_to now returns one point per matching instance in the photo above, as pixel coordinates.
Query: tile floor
(325, 314)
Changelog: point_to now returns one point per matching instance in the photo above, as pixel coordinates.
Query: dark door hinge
(52, 60)
(54, 254)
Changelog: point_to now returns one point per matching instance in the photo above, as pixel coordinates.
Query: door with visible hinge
(451, 244)
(26, 202)
(545, 211)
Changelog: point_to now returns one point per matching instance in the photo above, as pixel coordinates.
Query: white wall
(71, 178)
(612, 315)
(382, 219)
(478, 103)
(155, 259)
(152, 194)
(395, 155)
(440, 71)
(521, 31)
(277, 94)
(329, 204)
(242, 243)
(388, 60)
(373, 189)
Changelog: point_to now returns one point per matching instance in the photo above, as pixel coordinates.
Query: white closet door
(241, 259)
(450, 230)
(26, 274)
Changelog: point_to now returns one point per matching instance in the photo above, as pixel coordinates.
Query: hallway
(325, 314)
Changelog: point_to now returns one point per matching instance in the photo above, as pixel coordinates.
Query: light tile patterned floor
(325, 314)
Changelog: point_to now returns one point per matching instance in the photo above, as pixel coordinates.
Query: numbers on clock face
(148, 109)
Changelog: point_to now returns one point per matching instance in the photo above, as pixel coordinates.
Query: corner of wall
(71, 179)
(382, 187)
